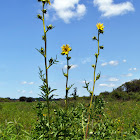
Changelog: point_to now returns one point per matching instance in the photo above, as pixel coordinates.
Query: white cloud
(86, 60)
(24, 82)
(21, 91)
(109, 9)
(86, 81)
(128, 75)
(114, 63)
(72, 66)
(124, 60)
(31, 83)
(112, 79)
(107, 85)
(68, 9)
(133, 69)
(104, 64)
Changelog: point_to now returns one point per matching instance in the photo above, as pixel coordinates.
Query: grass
(125, 114)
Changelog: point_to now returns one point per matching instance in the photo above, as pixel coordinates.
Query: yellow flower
(48, 1)
(44, 115)
(100, 26)
(65, 49)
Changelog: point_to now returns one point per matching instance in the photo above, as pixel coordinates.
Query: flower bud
(39, 16)
(69, 67)
(43, 37)
(94, 38)
(96, 55)
(93, 66)
(51, 60)
(101, 47)
(41, 50)
(44, 11)
(98, 76)
(50, 27)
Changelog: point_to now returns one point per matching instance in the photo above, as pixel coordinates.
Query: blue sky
(75, 24)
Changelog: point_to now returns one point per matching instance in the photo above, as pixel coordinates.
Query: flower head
(100, 26)
(44, 115)
(48, 1)
(65, 49)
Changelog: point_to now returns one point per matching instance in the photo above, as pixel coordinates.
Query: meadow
(109, 116)
(124, 115)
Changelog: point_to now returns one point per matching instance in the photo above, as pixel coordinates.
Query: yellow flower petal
(65, 49)
(100, 26)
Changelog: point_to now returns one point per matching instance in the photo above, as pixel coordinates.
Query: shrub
(22, 99)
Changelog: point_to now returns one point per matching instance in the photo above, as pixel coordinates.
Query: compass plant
(45, 88)
(100, 28)
(65, 51)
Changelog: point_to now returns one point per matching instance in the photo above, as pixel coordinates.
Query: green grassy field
(125, 114)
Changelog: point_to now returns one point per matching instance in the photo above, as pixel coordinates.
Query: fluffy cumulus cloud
(31, 83)
(112, 79)
(132, 69)
(128, 75)
(104, 64)
(25, 82)
(68, 9)
(114, 63)
(21, 91)
(124, 60)
(107, 85)
(109, 8)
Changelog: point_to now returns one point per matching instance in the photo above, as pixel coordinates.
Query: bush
(22, 99)
(30, 99)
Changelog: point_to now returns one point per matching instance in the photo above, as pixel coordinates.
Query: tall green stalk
(100, 30)
(65, 51)
(67, 82)
(44, 77)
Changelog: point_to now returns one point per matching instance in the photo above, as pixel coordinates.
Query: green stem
(94, 80)
(46, 64)
(67, 82)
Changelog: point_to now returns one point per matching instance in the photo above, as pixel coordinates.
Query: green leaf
(69, 87)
